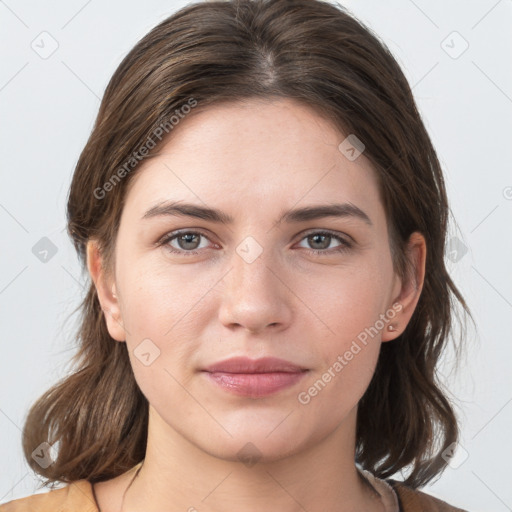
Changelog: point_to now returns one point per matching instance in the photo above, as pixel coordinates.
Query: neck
(177, 475)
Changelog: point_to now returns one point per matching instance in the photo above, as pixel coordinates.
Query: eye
(188, 243)
(185, 242)
(321, 240)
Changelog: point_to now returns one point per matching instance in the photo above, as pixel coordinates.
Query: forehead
(253, 156)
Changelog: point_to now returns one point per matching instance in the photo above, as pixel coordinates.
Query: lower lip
(255, 385)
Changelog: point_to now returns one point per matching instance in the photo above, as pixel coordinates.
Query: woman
(263, 217)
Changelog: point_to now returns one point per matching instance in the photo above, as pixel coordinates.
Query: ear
(106, 291)
(406, 292)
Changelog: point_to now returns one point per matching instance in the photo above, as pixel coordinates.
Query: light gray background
(48, 106)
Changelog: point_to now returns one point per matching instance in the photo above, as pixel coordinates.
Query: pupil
(187, 239)
(326, 240)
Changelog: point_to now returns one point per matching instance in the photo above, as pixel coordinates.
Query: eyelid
(314, 231)
(344, 243)
(172, 235)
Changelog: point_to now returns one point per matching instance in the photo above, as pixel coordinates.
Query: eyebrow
(313, 212)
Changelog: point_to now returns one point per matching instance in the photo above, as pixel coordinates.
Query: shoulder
(413, 500)
(74, 497)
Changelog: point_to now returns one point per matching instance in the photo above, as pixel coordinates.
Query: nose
(255, 295)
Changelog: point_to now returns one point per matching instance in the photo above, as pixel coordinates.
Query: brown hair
(223, 51)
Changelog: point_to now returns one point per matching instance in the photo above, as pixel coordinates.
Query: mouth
(254, 378)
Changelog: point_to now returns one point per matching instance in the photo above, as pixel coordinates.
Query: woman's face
(253, 285)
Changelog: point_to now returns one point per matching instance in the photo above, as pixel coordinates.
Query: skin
(252, 160)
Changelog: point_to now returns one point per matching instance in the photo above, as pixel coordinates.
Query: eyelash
(345, 245)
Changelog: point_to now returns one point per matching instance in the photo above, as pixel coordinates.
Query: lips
(254, 378)
(247, 365)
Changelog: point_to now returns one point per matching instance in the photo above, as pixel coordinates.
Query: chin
(252, 451)
(253, 445)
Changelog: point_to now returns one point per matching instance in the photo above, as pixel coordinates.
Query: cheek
(331, 395)
(160, 299)
(350, 308)
(166, 311)
(349, 299)
(347, 351)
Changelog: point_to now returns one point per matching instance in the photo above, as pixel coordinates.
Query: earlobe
(396, 323)
(106, 291)
(410, 288)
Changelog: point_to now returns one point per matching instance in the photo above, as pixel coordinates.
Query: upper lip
(247, 365)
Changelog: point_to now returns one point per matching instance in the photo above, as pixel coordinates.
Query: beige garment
(386, 492)
(78, 497)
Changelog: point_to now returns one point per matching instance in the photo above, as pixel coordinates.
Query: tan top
(78, 497)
